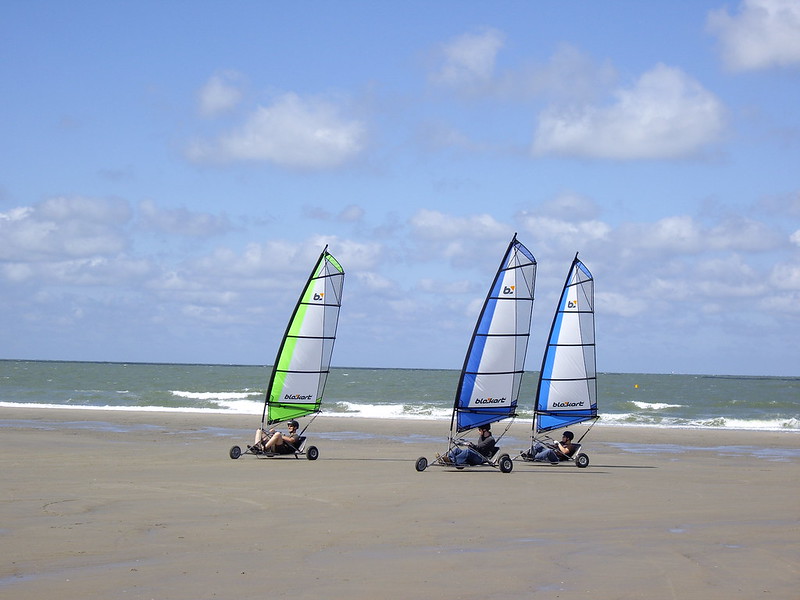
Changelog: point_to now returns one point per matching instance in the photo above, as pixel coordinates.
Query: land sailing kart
(566, 393)
(301, 367)
(503, 462)
(310, 452)
(580, 459)
(489, 385)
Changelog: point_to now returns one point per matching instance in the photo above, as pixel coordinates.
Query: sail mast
(302, 362)
(567, 390)
(488, 387)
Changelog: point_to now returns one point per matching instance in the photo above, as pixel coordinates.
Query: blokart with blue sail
(567, 390)
(301, 367)
(490, 381)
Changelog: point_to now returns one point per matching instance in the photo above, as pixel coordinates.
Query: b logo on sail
(318, 296)
(509, 289)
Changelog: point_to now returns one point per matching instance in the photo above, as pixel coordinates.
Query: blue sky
(170, 171)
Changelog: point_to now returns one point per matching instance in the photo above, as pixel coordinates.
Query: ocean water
(653, 400)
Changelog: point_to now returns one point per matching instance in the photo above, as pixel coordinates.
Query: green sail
(303, 361)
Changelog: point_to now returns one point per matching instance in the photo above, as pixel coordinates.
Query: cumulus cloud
(762, 34)
(665, 114)
(351, 213)
(569, 206)
(220, 94)
(63, 228)
(469, 59)
(436, 225)
(569, 75)
(295, 132)
(182, 221)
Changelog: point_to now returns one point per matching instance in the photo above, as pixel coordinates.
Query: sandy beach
(99, 504)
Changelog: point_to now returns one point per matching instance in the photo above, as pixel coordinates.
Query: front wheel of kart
(421, 464)
(582, 461)
(506, 464)
(312, 453)
(235, 452)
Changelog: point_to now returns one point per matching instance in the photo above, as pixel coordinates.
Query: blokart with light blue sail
(301, 367)
(490, 381)
(567, 390)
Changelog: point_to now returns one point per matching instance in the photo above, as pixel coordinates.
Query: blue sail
(488, 389)
(567, 389)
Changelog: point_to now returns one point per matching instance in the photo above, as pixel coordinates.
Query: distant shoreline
(340, 368)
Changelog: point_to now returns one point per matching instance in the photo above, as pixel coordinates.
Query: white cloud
(666, 114)
(569, 206)
(64, 227)
(786, 276)
(375, 283)
(435, 225)
(351, 213)
(294, 132)
(469, 59)
(763, 34)
(568, 75)
(220, 94)
(565, 231)
(622, 305)
(182, 221)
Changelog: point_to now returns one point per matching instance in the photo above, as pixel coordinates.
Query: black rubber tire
(312, 453)
(582, 461)
(506, 464)
(421, 464)
(235, 452)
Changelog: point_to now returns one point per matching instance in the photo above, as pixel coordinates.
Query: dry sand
(114, 505)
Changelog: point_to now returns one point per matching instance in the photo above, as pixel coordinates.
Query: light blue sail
(488, 389)
(567, 389)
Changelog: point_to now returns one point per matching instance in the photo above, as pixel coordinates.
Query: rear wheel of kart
(506, 464)
(421, 464)
(582, 461)
(312, 453)
(235, 452)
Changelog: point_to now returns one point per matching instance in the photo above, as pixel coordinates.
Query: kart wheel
(506, 464)
(235, 452)
(582, 461)
(312, 453)
(421, 464)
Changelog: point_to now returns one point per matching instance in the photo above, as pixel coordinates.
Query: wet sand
(99, 504)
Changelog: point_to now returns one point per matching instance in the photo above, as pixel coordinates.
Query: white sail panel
(490, 380)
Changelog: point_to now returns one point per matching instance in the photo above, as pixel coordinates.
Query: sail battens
(567, 390)
(302, 364)
(489, 385)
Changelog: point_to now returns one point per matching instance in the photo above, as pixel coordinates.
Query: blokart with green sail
(566, 393)
(301, 367)
(489, 385)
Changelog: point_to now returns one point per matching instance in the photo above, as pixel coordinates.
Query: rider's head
(293, 423)
(569, 435)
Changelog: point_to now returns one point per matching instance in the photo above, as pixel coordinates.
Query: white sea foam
(638, 420)
(386, 411)
(654, 405)
(399, 411)
(215, 395)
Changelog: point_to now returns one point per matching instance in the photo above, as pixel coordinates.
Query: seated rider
(277, 442)
(553, 453)
(473, 454)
